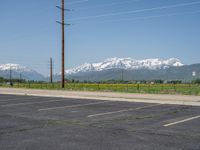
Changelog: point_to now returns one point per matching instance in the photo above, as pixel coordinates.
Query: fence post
(138, 87)
(162, 87)
(175, 87)
(149, 88)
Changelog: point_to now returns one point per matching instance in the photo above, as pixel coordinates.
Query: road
(52, 123)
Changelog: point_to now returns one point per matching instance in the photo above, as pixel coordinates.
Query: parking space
(49, 123)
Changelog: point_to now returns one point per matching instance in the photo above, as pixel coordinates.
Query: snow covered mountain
(17, 69)
(126, 64)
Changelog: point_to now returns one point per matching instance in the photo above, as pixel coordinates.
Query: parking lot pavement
(47, 123)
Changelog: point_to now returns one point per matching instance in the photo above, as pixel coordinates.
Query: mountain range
(16, 70)
(126, 64)
(132, 69)
(114, 69)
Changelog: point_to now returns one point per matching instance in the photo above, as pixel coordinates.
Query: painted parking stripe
(123, 110)
(30, 103)
(22, 98)
(181, 121)
(74, 106)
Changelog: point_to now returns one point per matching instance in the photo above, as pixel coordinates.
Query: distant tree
(197, 81)
(158, 81)
(2, 79)
(174, 82)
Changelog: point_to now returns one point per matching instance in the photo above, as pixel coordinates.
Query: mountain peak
(17, 69)
(127, 64)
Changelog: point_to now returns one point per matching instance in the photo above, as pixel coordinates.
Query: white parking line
(30, 103)
(22, 98)
(73, 106)
(181, 121)
(123, 110)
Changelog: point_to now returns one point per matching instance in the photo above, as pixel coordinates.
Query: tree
(197, 81)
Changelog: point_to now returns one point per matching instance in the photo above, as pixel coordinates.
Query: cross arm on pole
(64, 8)
(66, 24)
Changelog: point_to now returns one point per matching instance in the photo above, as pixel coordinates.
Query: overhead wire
(77, 2)
(146, 17)
(135, 11)
(112, 4)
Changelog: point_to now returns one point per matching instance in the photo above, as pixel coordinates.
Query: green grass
(186, 89)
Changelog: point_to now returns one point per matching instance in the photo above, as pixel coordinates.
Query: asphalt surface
(47, 123)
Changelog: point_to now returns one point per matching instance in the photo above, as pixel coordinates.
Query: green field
(187, 89)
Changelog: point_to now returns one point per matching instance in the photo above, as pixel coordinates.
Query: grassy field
(187, 89)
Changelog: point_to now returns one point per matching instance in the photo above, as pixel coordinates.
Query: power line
(77, 2)
(147, 17)
(135, 11)
(112, 4)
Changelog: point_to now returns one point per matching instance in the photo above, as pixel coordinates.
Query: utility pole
(20, 77)
(122, 75)
(63, 41)
(51, 70)
(10, 76)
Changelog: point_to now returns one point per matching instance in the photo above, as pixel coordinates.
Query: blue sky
(29, 34)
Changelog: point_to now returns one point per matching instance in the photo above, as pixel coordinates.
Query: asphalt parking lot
(47, 123)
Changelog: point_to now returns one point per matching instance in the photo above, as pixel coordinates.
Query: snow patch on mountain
(127, 64)
(17, 69)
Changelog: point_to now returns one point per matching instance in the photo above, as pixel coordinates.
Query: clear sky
(29, 34)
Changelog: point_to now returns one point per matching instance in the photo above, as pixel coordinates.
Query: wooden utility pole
(20, 77)
(10, 75)
(122, 75)
(63, 43)
(11, 84)
(51, 70)
(62, 8)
